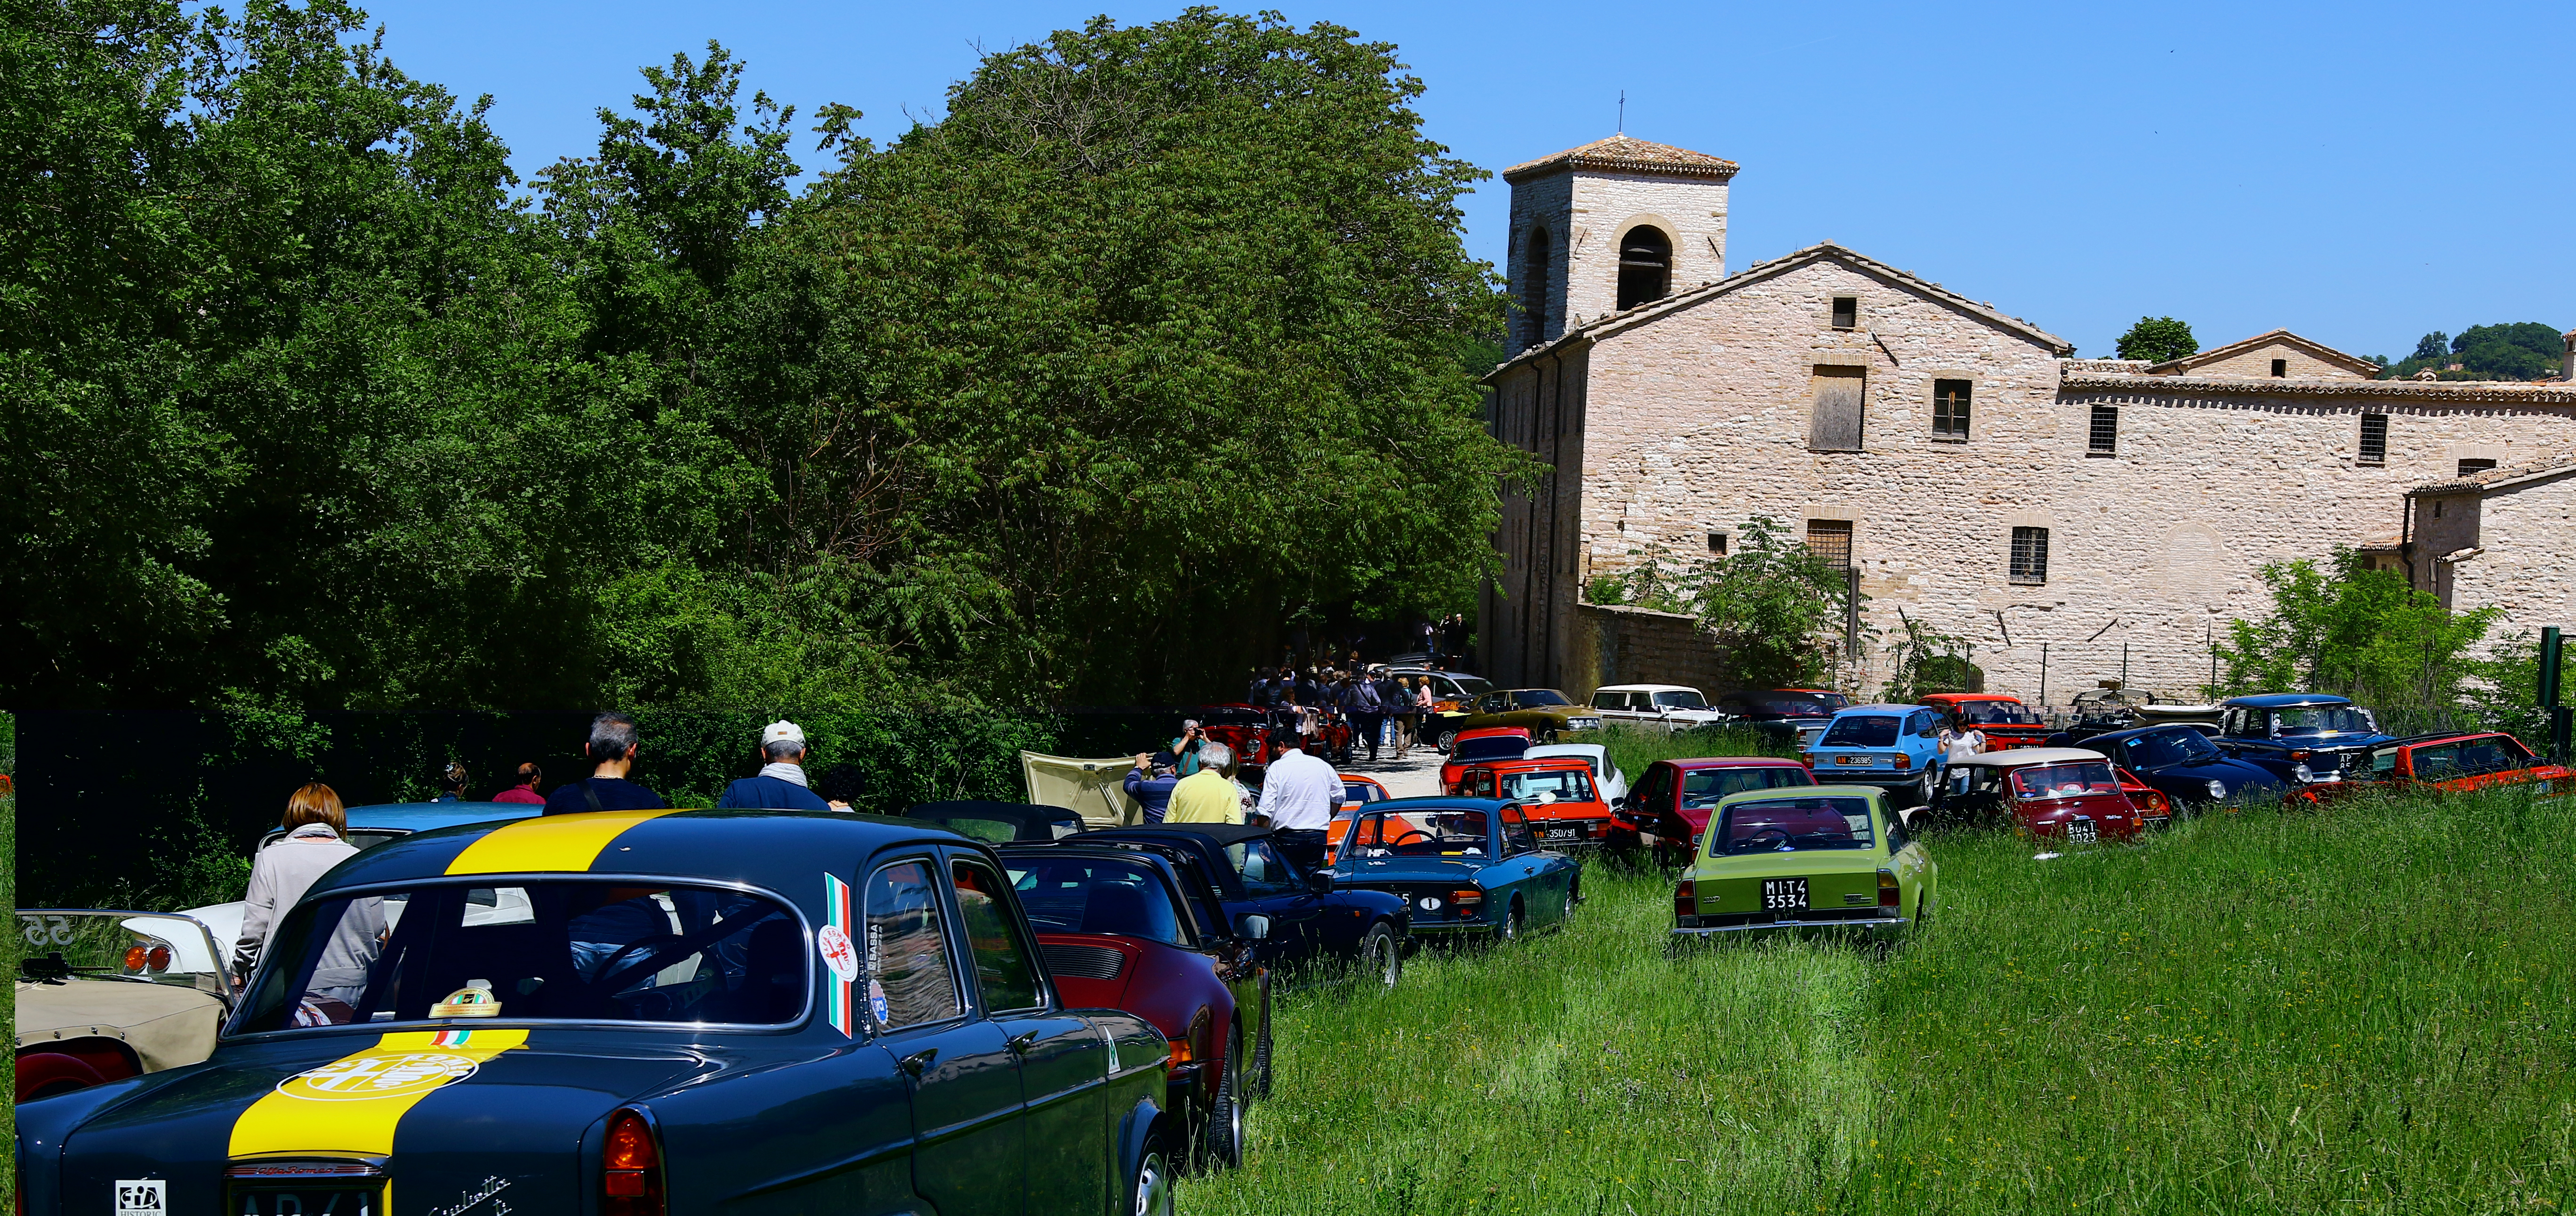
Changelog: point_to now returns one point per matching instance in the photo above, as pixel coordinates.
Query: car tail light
(1467, 896)
(630, 1181)
(1887, 892)
(1182, 1052)
(1903, 762)
(1685, 901)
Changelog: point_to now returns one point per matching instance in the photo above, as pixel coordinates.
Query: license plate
(2082, 831)
(1784, 895)
(1560, 833)
(1851, 759)
(325, 1200)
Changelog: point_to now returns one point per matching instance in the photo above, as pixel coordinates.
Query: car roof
(1534, 764)
(1565, 749)
(1645, 688)
(1787, 792)
(1350, 777)
(1931, 697)
(2448, 736)
(1015, 812)
(1698, 762)
(1882, 708)
(2281, 700)
(1221, 833)
(2123, 736)
(2021, 756)
(1532, 688)
(429, 816)
(1491, 732)
(1441, 802)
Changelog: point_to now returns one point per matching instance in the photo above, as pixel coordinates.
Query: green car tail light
(1887, 890)
(1686, 904)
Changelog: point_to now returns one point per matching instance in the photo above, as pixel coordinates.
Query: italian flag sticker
(840, 959)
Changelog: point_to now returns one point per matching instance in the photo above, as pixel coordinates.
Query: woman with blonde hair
(315, 823)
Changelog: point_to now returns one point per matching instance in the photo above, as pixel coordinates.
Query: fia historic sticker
(388, 1075)
(834, 945)
(142, 1197)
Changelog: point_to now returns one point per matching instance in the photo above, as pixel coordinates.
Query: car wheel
(1570, 900)
(1511, 930)
(1442, 740)
(1257, 1085)
(1380, 956)
(1150, 1192)
(1924, 788)
(1221, 1142)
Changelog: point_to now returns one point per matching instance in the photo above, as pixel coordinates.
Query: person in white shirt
(1299, 793)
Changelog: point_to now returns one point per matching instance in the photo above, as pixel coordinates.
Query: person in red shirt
(526, 790)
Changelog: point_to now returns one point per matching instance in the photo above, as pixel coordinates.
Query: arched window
(1534, 271)
(1645, 265)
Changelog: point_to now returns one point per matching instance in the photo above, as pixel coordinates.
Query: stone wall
(1585, 213)
(2526, 563)
(1608, 644)
(2257, 362)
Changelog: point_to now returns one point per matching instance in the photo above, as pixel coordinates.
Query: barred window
(1831, 539)
(2106, 430)
(1950, 409)
(2030, 555)
(2374, 439)
(2470, 468)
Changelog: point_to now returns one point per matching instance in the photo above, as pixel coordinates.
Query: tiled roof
(2352, 363)
(2551, 392)
(1626, 154)
(2564, 462)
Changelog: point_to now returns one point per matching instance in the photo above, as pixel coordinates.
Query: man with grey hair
(781, 784)
(1209, 795)
(611, 749)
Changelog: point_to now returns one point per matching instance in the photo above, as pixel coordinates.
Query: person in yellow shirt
(1210, 794)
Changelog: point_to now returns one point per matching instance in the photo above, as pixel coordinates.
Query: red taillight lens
(1903, 761)
(1685, 899)
(631, 1168)
(1468, 896)
(1887, 891)
(159, 958)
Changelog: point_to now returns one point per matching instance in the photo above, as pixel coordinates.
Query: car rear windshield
(1362, 791)
(1086, 895)
(2493, 754)
(1470, 686)
(1535, 697)
(2178, 746)
(1861, 730)
(1702, 788)
(1491, 747)
(1561, 785)
(595, 951)
(1680, 700)
(1786, 825)
(1459, 833)
(2321, 720)
(2064, 780)
(1997, 713)
(1794, 704)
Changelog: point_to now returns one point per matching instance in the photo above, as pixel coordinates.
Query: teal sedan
(1806, 859)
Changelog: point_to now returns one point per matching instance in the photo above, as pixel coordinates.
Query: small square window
(2030, 556)
(2280, 367)
(1950, 409)
(1831, 539)
(1846, 312)
(2469, 468)
(2105, 437)
(2374, 439)
(1717, 543)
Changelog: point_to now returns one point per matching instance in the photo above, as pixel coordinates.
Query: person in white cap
(780, 784)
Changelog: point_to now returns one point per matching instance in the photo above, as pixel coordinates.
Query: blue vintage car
(632, 1013)
(2184, 764)
(1310, 918)
(2299, 737)
(1894, 747)
(1463, 865)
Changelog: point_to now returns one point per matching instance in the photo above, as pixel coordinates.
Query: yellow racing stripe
(351, 1105)
(548, 842)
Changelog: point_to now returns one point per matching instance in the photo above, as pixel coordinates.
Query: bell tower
(1608, 226)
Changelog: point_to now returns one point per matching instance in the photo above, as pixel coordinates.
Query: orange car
(1357, 792)
(2452, 762)
(1557, 795)
(2005, 721)
(1483, 745)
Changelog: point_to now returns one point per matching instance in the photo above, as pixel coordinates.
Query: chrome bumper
(1872, 922)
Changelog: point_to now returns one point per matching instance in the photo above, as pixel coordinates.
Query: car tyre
(1257, 1085)
(1149, 1193)
(1511, 927)
(1443, 739)
(1924, 788)
(1570, 900)
(1221, 1136)
(1379, 956)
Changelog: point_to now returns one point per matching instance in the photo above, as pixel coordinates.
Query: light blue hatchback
(1895, 747)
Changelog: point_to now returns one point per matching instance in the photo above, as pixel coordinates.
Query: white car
(1613, 783)
(1664, 706)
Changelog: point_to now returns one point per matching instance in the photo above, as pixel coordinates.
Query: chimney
(2569, 367)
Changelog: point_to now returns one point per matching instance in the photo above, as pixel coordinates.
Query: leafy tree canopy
(2345, 628)
(2158, 339)
(2520, 351)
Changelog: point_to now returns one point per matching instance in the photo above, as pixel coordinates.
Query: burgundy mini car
(2063, 793)
(1668, 807)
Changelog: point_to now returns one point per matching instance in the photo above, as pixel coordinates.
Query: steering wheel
(1748, 844)
(1409, 834)
(611, 969)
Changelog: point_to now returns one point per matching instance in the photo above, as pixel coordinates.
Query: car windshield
(994, 831)
(2181, 746)
(2064, 780)
(1470, 686)
(1090, 895)
(595, 951)
(1861, 730)
(1997, 713)
(1701, 788)
(1783, 825)
(1490, 747)
(1535, 698)
(1559, 785)
(1228, 716)
(2321, 720)
(1426, 833)
(146, 948)
(1795, 704)
(1362, 791)
(2492, 754)
(1684, 699)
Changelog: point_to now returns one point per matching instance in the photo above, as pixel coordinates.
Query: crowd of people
(1381, 708)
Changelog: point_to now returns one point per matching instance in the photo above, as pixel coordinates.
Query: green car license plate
(1784, 895)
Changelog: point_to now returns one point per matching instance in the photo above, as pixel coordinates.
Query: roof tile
(1626, 154)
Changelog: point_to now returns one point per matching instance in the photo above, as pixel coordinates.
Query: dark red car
(1244, 729)
(1482, 743)
(1125, 929)
(2065, 793)
(2005, 721)
(1668, 806)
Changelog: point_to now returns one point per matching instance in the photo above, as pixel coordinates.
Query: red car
(2063, 792)
(2452, 762)
(1556, 794)
(1123, 929)
(1668, 806)
(1478, 745)
(2005, 721)
(1245, 729)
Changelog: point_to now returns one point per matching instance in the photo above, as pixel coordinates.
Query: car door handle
(914, 1064)
(1020, 1043)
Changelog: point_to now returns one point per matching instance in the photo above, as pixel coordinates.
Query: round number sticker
(834, 945)
(363, 1078)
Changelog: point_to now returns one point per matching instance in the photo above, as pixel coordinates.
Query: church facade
(2072, 520)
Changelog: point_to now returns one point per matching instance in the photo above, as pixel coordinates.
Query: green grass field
(2363, 1010)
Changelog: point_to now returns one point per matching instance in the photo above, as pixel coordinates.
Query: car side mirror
(1254, 925)
(1320, 882)
(1619, 803)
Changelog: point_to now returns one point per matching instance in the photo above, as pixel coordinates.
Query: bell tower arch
(1614, 224)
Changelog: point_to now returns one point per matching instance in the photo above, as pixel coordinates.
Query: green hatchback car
(1806, 859)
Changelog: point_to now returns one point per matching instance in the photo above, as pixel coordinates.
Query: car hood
(2234, 773)
(505, 1105)
(1362, 871)
(2335, 739)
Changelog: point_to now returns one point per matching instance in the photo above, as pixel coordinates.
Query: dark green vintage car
(1543, 712)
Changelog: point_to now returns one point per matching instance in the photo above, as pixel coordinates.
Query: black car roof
(1191, 891)
(1015, 812)
(1222, 833)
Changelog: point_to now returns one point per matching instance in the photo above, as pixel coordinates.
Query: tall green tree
(1774, 605)
(2345, 628)
(2158, 339)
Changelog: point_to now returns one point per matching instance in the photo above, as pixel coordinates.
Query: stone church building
(2074, 520)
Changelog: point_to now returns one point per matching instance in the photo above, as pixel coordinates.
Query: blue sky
(2359, 173)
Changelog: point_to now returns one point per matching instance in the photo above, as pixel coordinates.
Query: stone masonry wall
(2527, 566)
(1546, 202)
(1585, 214)
(2258, 363)
(1608, 644)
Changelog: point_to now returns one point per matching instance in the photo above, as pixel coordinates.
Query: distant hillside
(2524, 351)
